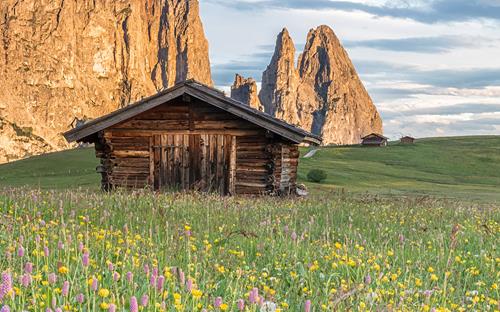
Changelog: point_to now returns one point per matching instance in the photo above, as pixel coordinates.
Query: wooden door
(199, 162)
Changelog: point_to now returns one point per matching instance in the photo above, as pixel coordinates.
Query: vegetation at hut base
(82, 250)
(316, 175)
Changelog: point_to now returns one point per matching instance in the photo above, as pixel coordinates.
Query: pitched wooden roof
(204, 93)
(374, 135)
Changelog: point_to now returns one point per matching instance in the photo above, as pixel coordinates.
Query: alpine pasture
(402, 228)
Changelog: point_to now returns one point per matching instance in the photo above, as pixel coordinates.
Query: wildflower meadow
(138, 251)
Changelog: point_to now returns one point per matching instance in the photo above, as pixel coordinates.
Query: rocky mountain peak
(245, 91)
(65, 59)
(280, 81)
(324, 94)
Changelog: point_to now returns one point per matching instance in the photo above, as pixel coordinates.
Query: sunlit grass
(89, 251)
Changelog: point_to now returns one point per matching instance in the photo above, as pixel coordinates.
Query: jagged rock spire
(245, 91)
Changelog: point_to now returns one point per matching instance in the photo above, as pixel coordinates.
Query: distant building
(407, 140)
(374, 139)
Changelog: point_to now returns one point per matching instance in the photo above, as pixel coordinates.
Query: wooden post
(151, 163)
(232, 167)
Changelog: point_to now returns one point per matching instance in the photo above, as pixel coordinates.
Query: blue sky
(432, 67)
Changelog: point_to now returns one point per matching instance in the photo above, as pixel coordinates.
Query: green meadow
(401, 228)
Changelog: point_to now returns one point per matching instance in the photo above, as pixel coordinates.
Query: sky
(432, 67)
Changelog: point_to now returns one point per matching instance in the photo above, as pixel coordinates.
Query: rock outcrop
(245, 91)
(65, 59)
(323, 94)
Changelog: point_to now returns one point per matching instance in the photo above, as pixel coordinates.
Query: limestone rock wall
(64, 59)
(245, 91)
(323, 94)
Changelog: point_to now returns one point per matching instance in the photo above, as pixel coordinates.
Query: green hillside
(463, 167)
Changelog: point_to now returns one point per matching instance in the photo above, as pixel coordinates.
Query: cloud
(438, 44)
(374, 71)
(426, 12)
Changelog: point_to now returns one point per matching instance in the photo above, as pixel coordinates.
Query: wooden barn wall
(263, 165)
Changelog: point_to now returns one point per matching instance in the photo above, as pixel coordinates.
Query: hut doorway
(199, 162)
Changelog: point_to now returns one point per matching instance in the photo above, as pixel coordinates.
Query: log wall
(242, 158)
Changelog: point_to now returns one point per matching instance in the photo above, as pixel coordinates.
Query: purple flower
(112, 307)
(20, 251)
(116, 276)
(37, 239)
(241, 304)
(85, 259)
(182, 278)
(129, 276)
(368, 279)
(146, 269)
(28, 267)
(6, 285)
(65, 288)
(25, 280)
(307, 306)
(111, 267)
(155, 271)
(80, 298)
(160, 282)
(45, 251)
(58, 310)
(254, 296)
(152, 280)
(294, 236)
(80, 246)
(133, 305)
(218, 302)
(94, 284)
(189, 284)
(5, 308)
(60, 245)
(52, 278)
(144, 300)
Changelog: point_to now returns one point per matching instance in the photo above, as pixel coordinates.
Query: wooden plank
(155, 125)
(232, 167)
(147, 133)
(186, 162)
(220, 164)
(131, 154)
(130, 111)
(203, 169)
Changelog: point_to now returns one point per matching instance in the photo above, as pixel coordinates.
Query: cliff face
(245, 91)
(324, 94)
(65, 59)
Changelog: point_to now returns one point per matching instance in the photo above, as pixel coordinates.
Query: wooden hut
(407, 140)
(374, 140)
(193, 137)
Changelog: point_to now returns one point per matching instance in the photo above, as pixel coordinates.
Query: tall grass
(189, 252)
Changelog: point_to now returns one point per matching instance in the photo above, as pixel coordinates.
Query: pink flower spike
(20, 251)
(65, 288)
(182, 278)
(5, 308)
(218, 302)
(133, 305)
(144, 300)
(111, 267)
(26, 280)
(112, 308)
(94, 285)
(160, 282)
(130, 276)
(241, 304)
(28, 267)
(307, 306)
(189, 285)
(80, 246)
(46, 251)
(85, 259)
(52, 278)
(80, 298)
(254, 296)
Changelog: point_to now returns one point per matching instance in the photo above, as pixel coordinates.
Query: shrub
(316, 175)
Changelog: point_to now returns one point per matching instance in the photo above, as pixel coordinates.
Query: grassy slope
(464, 167)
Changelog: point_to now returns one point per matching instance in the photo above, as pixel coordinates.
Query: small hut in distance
(374, 140)
(407, 140)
